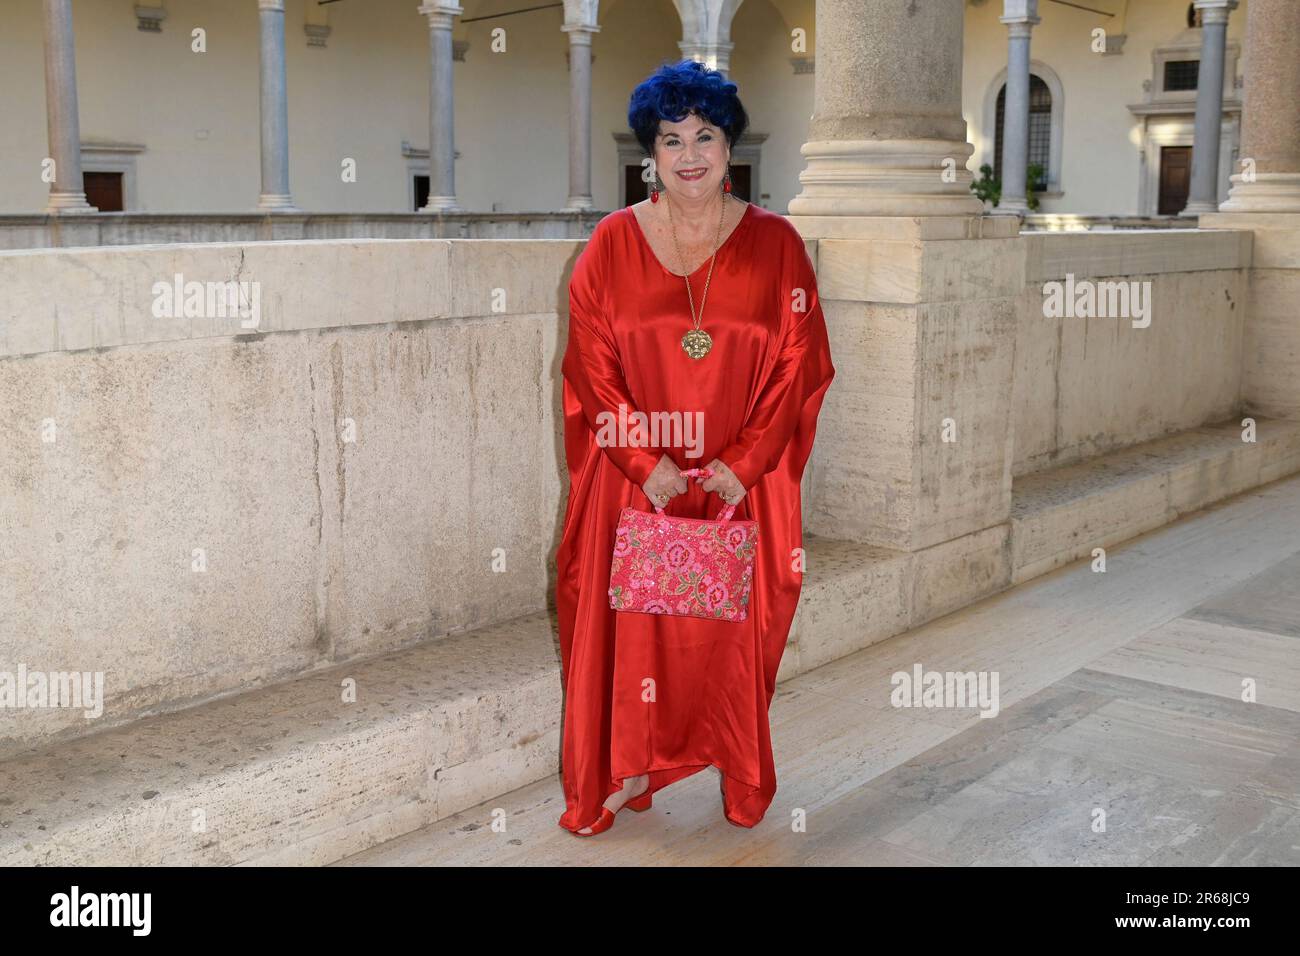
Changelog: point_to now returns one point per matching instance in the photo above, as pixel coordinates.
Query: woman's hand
(724, 482)
(664, 483)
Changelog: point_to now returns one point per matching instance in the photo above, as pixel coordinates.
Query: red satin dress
(662, 694)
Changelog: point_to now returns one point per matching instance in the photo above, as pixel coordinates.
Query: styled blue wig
(677, 89)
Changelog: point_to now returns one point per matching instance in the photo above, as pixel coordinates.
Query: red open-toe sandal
(606, 818)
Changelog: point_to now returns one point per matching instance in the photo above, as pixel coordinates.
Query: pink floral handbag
(683, 566)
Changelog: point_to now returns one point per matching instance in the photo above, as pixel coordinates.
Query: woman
(698, 303)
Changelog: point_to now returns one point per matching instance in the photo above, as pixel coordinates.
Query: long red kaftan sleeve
(798, 378)
(592, 369)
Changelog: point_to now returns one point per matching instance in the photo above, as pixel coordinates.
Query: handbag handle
(725, 514)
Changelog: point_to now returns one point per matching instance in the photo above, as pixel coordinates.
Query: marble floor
(1147, 715)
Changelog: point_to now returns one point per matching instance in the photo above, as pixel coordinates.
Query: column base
(276, 202)
(62, 204)
(1199, 208)
(903, 177)
(578, 204)
(1010, 207)
(441, 204)
(1269, 192)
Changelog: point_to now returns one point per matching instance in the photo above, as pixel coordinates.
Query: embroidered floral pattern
(682, 566)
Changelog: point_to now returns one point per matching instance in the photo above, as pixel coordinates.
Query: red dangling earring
(726, 181)
(654, 189)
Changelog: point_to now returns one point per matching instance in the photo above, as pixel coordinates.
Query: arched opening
(1040, 130)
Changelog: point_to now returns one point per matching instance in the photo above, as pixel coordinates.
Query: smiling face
(691, 156)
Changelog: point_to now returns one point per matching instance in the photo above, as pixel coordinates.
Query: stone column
(887, 137)
(275, 195)
(1270, 124)
(1265, 199)
(914, 445)
(1020, 17)
(442, 147)
(715, 54)
(68, 189)
(1204, 194)
(579, 115)
(706, 31)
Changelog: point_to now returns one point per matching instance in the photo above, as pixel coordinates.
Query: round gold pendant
(697, 343)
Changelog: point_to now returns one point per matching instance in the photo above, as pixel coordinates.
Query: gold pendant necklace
(696, 343)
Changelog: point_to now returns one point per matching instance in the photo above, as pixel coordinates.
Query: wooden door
(1175, 179)
(104, 191)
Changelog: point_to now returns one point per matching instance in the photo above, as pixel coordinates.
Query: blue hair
(676, 90)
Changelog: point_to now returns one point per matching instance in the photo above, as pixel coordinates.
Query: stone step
(1059, 516)
(293, 774)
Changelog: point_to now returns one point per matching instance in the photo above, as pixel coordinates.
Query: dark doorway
(635, 190)
(104, 191)
(421, 192)
(1175, 179)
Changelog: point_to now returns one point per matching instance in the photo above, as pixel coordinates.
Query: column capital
(1020, 11)
(714, 54)
(1215, 11)
(441, 13)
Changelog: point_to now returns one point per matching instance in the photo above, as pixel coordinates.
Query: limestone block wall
(1088, 385)
(125, 229)
(192, 509)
